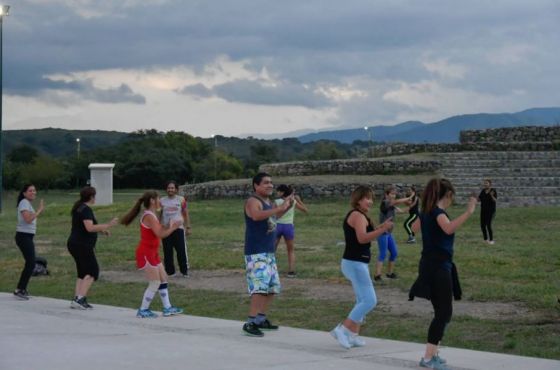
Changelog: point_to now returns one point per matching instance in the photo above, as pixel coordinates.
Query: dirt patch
(390, 299)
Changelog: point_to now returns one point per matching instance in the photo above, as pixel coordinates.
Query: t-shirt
(288, 217)
(260, 236)
(435, 242)
(172, 209)
(22, 226)
(79, 234)
(487, 204)
(386, 211)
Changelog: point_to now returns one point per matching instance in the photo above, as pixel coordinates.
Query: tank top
(259, 235)
(148, 238)
(354, 250)
(288, 216)
(414, 210)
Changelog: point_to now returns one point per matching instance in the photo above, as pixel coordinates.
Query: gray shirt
(22, 226)
(386, 211)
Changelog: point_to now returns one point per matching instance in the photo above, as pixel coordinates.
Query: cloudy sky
(238, 67)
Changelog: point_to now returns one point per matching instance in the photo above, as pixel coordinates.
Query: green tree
(22, 154)
(45, 173)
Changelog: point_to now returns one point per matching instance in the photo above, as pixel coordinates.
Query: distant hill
(60, 142)
(444, 131)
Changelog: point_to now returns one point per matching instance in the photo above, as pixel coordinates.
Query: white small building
(101, 178)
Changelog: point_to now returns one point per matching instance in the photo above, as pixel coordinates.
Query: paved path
(45, 334)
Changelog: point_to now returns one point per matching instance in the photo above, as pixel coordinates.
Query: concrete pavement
(45, 334)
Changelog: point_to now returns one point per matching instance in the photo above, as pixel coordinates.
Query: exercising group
(437, 280)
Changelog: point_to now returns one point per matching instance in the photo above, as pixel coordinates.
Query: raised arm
(91, 228)
(448, 226)
(359, 223)
(29, 216)
(300, 205)
(153, 223)
(254, 210)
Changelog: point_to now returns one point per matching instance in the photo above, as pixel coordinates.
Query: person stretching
(147, 257)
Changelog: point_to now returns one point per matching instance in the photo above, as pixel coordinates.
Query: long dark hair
(434, 191)
(23, 190)
(86, 194)
(143, 200)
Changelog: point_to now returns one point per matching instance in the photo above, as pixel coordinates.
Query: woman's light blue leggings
(358, 274)
(385, 241)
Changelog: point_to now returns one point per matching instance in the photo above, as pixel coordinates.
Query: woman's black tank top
(354, 250)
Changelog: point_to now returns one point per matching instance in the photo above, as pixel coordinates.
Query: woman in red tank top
(147, 256)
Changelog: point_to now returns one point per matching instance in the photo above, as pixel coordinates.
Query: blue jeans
(385, 241)
(358, 274)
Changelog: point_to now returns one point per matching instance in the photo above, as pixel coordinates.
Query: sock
(78, 297)
(260, 318)
(147, 299)
(251, 319)
(164, 295)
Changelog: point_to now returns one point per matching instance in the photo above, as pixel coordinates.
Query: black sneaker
(267, 325)
(392, 275)
(377, 278)
(78, 304)
(291, 274)
(21, 294)
(85, 302)
(251, 329)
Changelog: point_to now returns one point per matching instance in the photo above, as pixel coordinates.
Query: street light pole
(4, 10)
(78, 162)
(369, 138)
(78, 148)
(215, 156)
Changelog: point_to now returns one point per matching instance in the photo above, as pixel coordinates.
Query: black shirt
(354, 250)
(487, 204)
(435, 242)
(79, 234)
(414, 209)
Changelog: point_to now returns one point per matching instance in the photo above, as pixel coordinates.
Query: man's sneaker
(21, 294)
(378, 278)
(88, 306)
(251, 329)
(356, 341)
(185, 276)
(78, 304)
(291, 274)
(433, 364)
(145, 314)
(267, 325)
(172, 311)
(392, 275)
(339, 334)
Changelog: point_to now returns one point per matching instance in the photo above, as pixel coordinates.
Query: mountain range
(444, 131)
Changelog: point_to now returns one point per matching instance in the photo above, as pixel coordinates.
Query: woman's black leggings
(442, 301)
(486, 224)
(408, 223)
(24, 241)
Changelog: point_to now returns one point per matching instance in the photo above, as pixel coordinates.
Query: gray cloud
(254, 92)
(309, 43)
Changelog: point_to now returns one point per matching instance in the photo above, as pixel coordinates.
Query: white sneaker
(491, 242)
(356, 341)
(339, 334)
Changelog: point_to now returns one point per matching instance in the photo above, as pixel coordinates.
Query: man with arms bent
(260, 263)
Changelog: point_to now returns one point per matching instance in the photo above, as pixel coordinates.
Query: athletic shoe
(267, 325)
(339, 334)
(491, 242)
(291, 274)
(411, 240)
(185, 276)
(171, 275)
(433, 364)
(440, 359)
(21, 294)
(356, 341)
(78, 304)
(172, 311)
(89, 307)
(378, 278)
(392, 275)
(251, 329)
(145, 314)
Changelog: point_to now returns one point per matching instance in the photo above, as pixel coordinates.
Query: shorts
(147, 257)
(285, 230)
(86, 263)
(262, 273)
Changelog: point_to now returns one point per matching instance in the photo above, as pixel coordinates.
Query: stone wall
(350, 167)
(306, 191)
(525, 134)
(394, 149)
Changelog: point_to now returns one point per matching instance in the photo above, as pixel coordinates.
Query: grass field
(522, 269)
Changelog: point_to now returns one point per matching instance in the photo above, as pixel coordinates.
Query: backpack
(40, 267)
